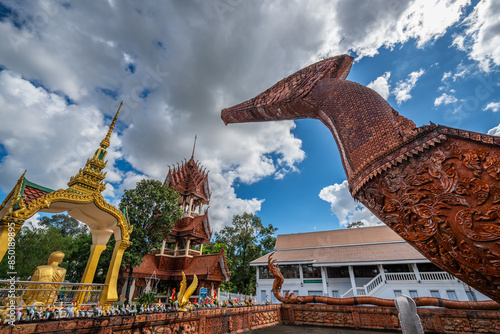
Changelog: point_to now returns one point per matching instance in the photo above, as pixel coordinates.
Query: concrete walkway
(292, 329)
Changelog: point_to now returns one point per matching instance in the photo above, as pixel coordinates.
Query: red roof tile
(31, 194)
(189, 178)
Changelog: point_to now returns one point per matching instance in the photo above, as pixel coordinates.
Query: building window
(397, 268)
(471, 295)
(365, 271)
(311, 272)
(427, 267)
(335, 294)
(397, 293)
(413, 293)
(263, 296)
(452, 294)
(435, 294)
(315, 293)
(264, 273)
(337, 272)
(290, 271)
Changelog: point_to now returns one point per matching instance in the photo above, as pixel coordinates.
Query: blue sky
(65, 67)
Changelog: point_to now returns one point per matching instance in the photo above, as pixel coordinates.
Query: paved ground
(291, 329)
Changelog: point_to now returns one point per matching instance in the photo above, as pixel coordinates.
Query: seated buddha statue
(51, 273)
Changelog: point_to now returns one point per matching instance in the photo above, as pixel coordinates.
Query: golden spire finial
(105, 141)
(194, 145)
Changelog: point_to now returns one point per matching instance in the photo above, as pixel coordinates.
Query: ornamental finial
(105, 141)
(194, 146)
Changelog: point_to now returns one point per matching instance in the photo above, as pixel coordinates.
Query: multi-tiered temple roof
(182, 248)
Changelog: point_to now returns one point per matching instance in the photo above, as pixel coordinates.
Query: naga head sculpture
(363, 124)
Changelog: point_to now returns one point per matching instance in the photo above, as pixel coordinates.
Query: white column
(415, 270)
(162, 252)
(353, 281)
(382, 272)
(187, 246)
(190, 209)
(324, 278)
(301, 276)
(201, 248)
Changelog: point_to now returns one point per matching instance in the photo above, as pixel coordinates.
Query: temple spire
(90, 178)
(105, 141)
(194, 146)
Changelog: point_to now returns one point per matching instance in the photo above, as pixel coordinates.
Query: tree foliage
(33, 245)
(153, 210)
(245, 240)
(356, 224)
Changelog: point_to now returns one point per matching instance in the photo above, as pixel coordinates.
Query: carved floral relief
(446, 202)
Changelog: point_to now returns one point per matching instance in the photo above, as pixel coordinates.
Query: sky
(66, 65)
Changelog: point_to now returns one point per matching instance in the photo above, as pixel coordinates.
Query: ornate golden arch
(83, 201)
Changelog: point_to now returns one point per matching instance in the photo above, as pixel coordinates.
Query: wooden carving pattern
(260, 319)
(446, 202)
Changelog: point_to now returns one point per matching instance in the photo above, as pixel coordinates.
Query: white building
(370, 261)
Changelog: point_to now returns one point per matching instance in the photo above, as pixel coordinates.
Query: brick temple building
(181, 250)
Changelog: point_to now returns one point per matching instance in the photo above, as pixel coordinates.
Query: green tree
(65, 224)
(153, 210)
(356, 224)
(33, 245)
(246, 239)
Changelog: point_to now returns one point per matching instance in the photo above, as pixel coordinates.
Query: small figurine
(70, 312)
(30, 310)
(19, 313)
(59, 312)
(39, 314)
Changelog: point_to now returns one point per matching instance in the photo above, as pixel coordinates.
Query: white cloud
(481, 39)
(404, 87)
(381, 85)
(445, 99)
(365, 27)
(345, 208)
(41, 133)
(176, 65)
(493, 106)
(494, 131)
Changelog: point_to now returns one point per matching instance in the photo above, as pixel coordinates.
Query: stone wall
(224, 320)
(237, 320)
(434, 320)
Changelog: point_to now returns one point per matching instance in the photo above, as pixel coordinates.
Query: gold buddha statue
(47, 273)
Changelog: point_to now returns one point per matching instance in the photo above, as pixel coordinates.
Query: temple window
(264, 273)
(427, 267)
(397, 268)
(337, 272)
(365, 271)
(290, 271)
(311, 272)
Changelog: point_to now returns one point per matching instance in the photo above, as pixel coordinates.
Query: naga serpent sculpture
(436, 186)
(361, 300)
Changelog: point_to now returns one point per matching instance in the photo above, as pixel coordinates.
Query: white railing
(48, 293)
(347, 294)
(437, 276)
(400, 277)
(226, 295)
(377, 281)
(373, 284)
